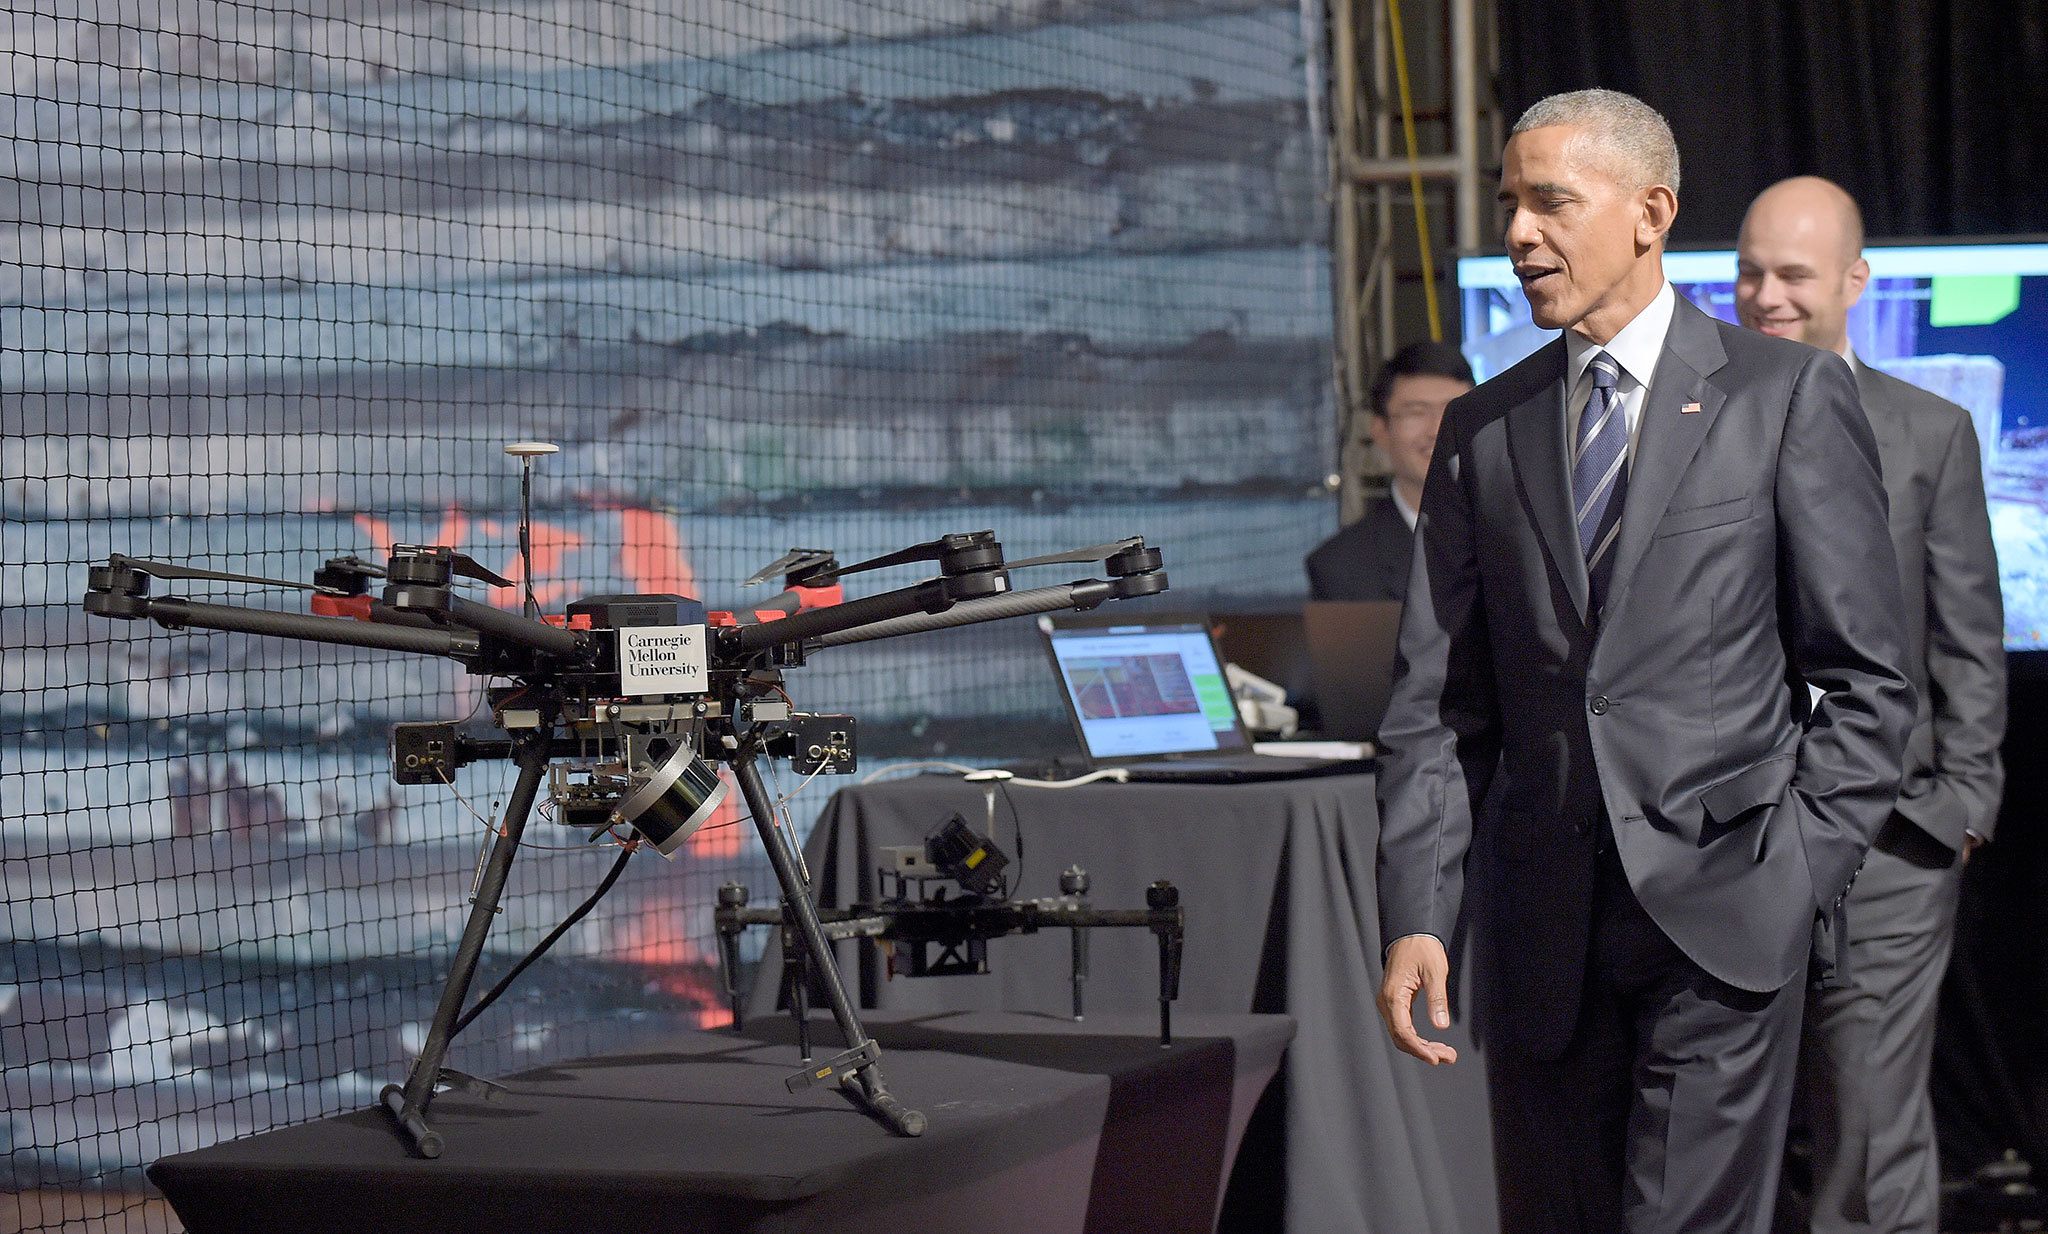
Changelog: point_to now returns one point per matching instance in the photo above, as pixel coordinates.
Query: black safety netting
(278, 282)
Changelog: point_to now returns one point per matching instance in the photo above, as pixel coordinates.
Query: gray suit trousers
(1667, 1113)
(1863, 1070)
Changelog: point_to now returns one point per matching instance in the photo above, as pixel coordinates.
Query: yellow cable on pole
(1436, 326)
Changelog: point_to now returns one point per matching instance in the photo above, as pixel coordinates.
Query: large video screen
(1967, 321)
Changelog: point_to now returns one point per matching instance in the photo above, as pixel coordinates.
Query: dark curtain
(1929, 112)
(1991, 1048)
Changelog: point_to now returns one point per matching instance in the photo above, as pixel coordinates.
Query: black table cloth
(1036, 1125)
(1277, 881)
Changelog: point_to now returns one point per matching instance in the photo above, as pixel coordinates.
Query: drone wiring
(780, 822)
(1016, 827)
(545, 806)
(474, 813)
(577, 914)
(785, 798)
(498, 711)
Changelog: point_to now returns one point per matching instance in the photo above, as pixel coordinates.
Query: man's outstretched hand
(1417, 964)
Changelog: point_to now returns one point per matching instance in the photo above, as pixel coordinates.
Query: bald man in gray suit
(1869, 1038)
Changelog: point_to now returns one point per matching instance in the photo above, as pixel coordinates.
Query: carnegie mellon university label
(662, 660)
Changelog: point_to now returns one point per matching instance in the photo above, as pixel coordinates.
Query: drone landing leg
(408, 1104)
(858, 1068)
(731, 896)
(1079, 947)
(1163, 899)
(796, 979)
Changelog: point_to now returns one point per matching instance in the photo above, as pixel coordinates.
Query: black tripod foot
(858, 1073)
(412, 1124)
(865, 1089)
(412, 1121)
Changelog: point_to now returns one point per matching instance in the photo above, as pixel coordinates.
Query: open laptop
(1351, 663)
(1148, 696)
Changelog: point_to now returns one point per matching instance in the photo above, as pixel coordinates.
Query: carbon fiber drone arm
(120, 590)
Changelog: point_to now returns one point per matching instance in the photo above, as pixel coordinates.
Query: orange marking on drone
(652, 556)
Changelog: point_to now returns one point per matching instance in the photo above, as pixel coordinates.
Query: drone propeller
(795, 561)
(916, 552)
(973, 550)
(469, 567)
(1081, 556)
(339, 576)
(459, 563)
(167, 571)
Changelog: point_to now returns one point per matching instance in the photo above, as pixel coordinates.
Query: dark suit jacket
(1954, 619)
(1367, 560)
(1752, 558)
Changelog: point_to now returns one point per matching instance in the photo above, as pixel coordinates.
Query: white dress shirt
(1408, 513)
(1636, 351)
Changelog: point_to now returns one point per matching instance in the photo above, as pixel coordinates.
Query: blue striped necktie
(1600, 475)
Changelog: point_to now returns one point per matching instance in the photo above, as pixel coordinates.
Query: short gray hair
(1623, 124)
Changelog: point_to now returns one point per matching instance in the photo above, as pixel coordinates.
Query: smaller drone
(933, 933)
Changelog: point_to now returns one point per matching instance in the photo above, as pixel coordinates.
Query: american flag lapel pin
(1688, 409)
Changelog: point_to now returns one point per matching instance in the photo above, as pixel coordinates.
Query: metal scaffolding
(1368, 227)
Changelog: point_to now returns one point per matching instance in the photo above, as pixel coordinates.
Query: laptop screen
(1145, 688)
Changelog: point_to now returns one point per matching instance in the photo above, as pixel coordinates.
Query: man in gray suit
(1868, 1040)
(1635, 549)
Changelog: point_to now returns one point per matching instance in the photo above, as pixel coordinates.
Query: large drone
(623, 703)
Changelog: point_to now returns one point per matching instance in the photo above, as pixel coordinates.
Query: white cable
(921, 765)
(1116, 775)
(782, 825)
(806, 783)
(488, 824)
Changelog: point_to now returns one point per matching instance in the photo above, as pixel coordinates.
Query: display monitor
(1968, 321)
(1145, 688)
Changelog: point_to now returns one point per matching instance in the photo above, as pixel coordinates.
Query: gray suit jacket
(1954, 619)
(1752, 557)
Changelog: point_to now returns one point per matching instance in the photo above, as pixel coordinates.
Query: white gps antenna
(526, 452)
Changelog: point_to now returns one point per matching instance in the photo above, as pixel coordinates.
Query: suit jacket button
(1598, 706)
